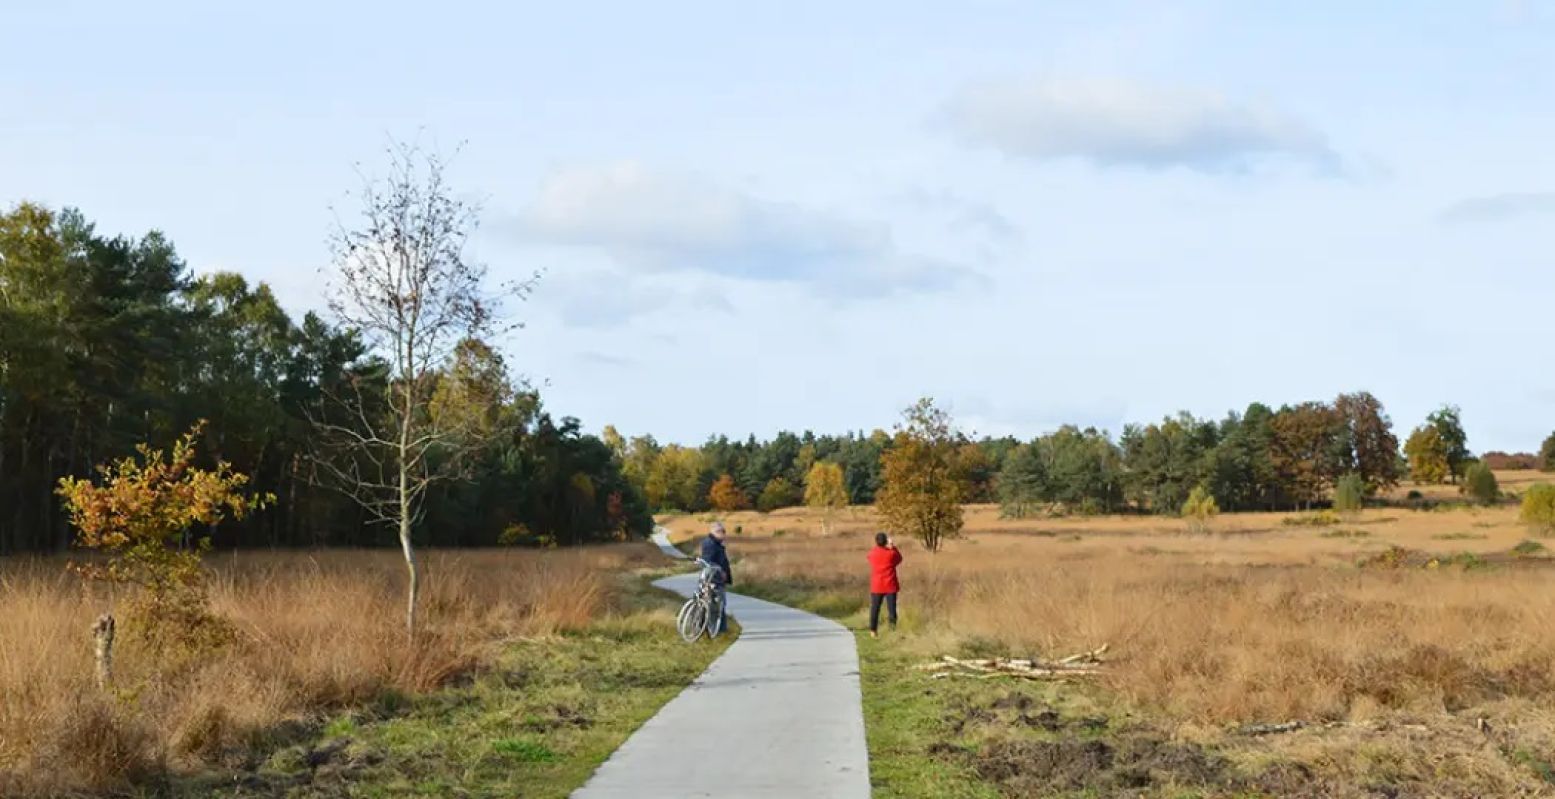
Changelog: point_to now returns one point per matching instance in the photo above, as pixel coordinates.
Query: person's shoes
(873, 634)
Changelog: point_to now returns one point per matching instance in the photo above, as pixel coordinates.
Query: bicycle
(702, 613)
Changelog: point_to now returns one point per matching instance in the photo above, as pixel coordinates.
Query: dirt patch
(1036, 768)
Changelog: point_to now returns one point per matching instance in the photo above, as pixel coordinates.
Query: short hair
(880, 539)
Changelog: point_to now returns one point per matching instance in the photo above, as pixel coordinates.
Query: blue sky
(807, 214)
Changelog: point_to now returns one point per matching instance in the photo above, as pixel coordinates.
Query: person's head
(717, 531)
(881, 538)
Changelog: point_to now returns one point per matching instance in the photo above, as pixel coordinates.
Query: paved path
(777, 715)
(661, 536)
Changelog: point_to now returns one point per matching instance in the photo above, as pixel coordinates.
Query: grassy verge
(535, 723)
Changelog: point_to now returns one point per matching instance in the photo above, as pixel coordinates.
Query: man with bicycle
(713, 552)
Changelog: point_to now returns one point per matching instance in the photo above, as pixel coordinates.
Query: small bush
(1480, 484)
(1528, 549)
(1320, 519)
(1414, 495)
(1199, 509)
(1539, 509)
(1349, 494)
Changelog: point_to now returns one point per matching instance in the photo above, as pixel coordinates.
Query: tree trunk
(410, 553)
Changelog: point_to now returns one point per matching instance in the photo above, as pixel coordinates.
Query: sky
(804, 215)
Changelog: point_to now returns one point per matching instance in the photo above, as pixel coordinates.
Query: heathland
(1399, 650)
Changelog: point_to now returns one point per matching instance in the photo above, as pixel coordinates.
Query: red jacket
(882, 570)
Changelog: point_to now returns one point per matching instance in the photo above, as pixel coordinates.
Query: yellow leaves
(823, 486)
(138, 514)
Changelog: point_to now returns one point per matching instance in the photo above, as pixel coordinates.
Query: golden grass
(1256, 621)
(316, 632)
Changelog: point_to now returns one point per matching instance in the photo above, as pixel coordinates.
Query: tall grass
(316, 632)
(1205, 641)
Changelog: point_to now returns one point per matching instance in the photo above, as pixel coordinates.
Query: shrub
(1539, 509)
(1547, 454)
(1480, 484)
(519, 535)
(140, 516)
(1349, 494)
(1320, 519)
(778, 493)
(1199, 509)
(1528, 549)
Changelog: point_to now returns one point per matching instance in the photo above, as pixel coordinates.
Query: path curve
(779, 714)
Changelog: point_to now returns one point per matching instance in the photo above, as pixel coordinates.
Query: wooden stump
(102, 634)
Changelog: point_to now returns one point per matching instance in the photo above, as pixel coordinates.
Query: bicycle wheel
(692, 622)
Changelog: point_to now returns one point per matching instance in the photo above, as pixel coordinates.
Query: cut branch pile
(1085, 664)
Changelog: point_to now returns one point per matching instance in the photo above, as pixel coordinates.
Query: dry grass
(316, 632)
(1256, 621)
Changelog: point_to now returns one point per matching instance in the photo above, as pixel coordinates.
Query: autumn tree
(975, 471)
(1455, 442)
(777, 493)
(1305, 447)
(1427, 455)
(1368, 448)
(138, 514)
(403, 280)
(1199, 509)
(920, 493)
(673, 479)
(725, 496)
(824, 491)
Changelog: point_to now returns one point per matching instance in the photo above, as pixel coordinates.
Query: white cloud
(659, 222)
(611, 298)
(1500, 206)
(1122, 123)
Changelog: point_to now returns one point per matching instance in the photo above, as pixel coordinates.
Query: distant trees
(109, 341)
(1455, 442)
(1547, 454)
(1258, 459)
(674, 479)
(1023, 483)
(777, 493)
(1368, 447)
(922, 491)
(725, 496)
(824, 491)
(1427, 452)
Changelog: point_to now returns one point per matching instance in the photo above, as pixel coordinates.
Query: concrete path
(661, 536)
(778, 715)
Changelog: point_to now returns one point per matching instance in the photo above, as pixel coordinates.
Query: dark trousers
(874, 610)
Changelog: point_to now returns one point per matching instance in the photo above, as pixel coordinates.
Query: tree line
(1262, 458)
(109, 341)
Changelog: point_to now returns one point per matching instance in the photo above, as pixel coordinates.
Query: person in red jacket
(883, 560)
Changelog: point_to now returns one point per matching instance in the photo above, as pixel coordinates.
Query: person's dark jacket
(713, 552)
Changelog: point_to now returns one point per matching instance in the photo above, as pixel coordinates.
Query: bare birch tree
(402, 280)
